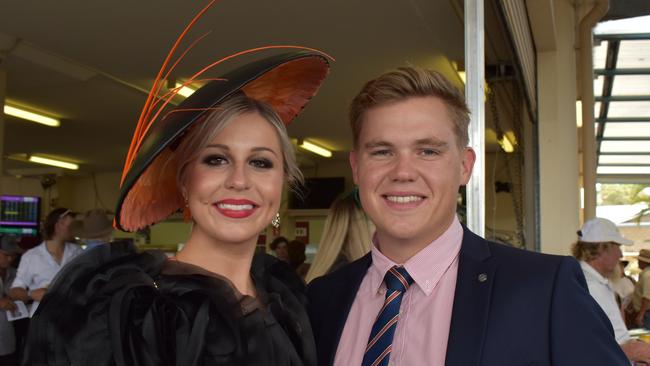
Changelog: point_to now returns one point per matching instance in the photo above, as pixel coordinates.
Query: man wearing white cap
(599, 249)
(641, 296)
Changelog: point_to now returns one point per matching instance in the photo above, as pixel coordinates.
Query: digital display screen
(19, 215)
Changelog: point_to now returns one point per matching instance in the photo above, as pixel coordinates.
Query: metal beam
(623, 164)
(622, 119)
(636, 71)
(623, 98)
(626, 153)
(474, 94)
(626, 138)
(622, 37)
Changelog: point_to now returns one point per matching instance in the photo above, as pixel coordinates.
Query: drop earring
(187, 214)
(276, 221)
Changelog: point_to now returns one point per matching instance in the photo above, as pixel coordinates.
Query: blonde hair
(346, 232)
(406, 82)
(235, 105)
(588, 251)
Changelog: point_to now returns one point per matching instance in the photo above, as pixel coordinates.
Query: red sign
(302, 231)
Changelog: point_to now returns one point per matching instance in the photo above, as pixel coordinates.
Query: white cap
(599, 230)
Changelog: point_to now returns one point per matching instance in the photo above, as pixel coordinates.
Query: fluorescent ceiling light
(184, 90)
(579, 113)
(315, 149)
(53, 162)
(506, 144)
(31, 116)
(462, 76)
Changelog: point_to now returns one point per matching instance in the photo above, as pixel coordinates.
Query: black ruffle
(115, 306)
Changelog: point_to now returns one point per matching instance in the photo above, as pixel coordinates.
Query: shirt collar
(427, 266)
(590, 272)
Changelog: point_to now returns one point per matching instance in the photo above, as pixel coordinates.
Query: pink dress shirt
(423, 328)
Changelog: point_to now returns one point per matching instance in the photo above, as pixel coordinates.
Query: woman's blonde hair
(346, 232)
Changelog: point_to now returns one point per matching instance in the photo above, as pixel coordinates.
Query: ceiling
(622, 90)
(91, 62)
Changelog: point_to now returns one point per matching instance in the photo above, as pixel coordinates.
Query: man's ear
(467, 164)
(352, 157)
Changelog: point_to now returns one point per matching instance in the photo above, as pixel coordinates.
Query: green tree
(623, 194)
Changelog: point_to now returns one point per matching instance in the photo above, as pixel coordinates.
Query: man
(8, 252)
(599, 250)
(95, 229)
(641, 296)
(39, 265)
(431, 292)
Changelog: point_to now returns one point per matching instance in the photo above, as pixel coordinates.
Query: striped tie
(381, 337)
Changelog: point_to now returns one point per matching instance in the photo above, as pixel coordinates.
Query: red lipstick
(236, 208)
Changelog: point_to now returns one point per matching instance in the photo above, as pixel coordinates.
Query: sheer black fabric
(115, 306)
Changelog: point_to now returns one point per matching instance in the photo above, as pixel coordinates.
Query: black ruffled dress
(115, 306)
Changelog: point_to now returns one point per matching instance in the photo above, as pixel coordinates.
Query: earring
(187, 214)
(276, 221)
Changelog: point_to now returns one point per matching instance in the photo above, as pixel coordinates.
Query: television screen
(318, 193)
(20, 215)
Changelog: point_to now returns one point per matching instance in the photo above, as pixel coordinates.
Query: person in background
(296, 253)
(39, 265)
(279, 246)
(641, 296)
(8, 252)
(599, 249)
(623, 285)
(345, 238)
(95, 228)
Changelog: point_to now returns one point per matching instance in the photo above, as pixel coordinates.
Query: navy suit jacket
(533, 309)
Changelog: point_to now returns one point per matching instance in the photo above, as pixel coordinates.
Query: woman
(345, 238)
(222, 157)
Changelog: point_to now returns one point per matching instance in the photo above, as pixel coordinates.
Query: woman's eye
(261, 163)
(214, 160)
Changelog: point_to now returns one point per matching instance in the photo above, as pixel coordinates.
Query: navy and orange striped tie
(381, 337)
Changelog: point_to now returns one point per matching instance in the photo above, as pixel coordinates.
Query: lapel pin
(482, 277)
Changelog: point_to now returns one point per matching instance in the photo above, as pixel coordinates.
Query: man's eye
(429, 152)
(384, 152)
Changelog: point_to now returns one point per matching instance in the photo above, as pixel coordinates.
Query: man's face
(409, 167)
(610, 258)
(63, 229)
(5, 259)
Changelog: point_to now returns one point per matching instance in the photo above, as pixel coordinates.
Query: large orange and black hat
(149, 192)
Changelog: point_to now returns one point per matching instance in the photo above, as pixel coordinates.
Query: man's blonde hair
(407, 82)
(588, 251)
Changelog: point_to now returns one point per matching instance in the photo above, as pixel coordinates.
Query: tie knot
(397, 279)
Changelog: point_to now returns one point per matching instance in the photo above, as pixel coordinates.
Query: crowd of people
(398, 279)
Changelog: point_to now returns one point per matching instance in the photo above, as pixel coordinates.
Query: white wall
(558, 137)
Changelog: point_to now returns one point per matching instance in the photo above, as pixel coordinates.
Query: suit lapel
(342, 302)
(471, 301)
